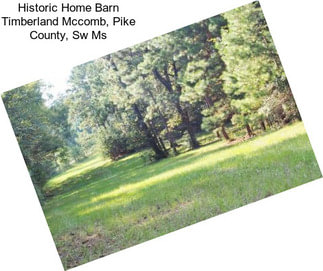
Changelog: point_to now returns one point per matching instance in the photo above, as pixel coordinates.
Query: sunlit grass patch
(77, 171)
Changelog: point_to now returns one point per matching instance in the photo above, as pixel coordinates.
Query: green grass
(101, 206)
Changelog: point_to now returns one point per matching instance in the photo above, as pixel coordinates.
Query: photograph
(161, 135)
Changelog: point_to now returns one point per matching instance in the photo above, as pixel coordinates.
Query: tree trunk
(208, 101)
(162, 143)
(186, 120)
(218, 134)
(169, 135)
(225, 135)
(158, 139)
(249, 131)
(263, 126)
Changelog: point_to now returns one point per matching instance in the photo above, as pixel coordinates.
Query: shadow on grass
(128, 163)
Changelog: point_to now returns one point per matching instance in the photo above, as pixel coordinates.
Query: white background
(283, 232)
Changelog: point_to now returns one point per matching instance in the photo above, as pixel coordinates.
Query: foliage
(36, 135)
(254, 78)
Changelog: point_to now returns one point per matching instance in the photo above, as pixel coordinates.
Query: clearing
(99, 206)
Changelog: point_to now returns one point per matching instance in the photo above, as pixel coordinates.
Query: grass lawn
(100, 207)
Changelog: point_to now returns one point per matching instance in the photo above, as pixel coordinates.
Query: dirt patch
(239, 140)
(268, 194)
(79, 246)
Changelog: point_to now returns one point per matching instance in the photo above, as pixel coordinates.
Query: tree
(123, 65)
(202, 77)
(36, 135)
(253, 69)
(165, 59)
